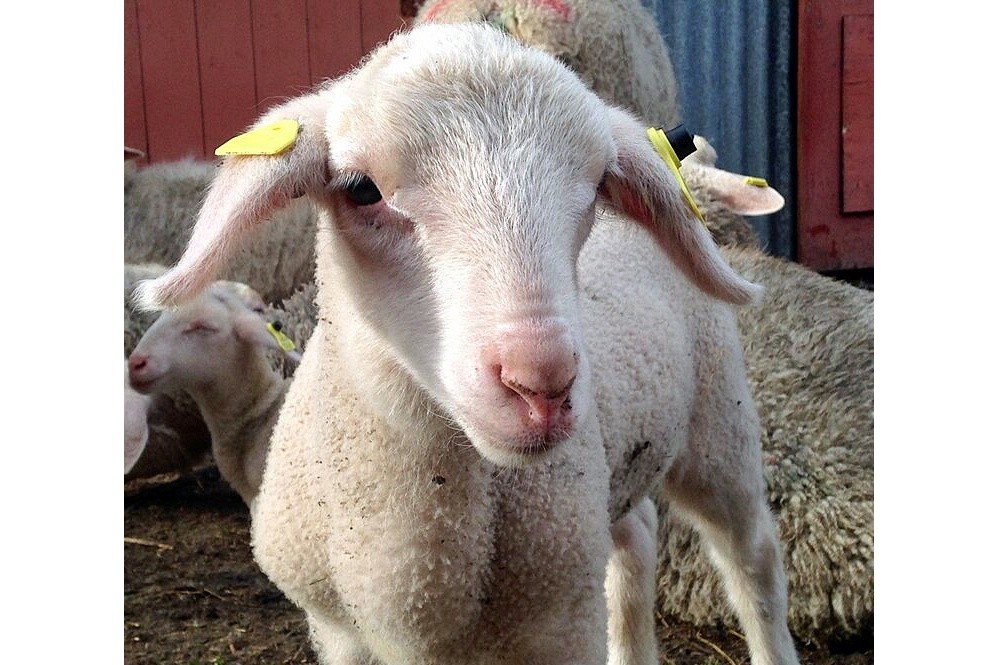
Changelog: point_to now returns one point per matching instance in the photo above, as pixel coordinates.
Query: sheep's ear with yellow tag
(285, 155)
(642, 186)
(271, 139)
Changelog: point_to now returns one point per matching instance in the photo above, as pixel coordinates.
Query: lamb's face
(195, 346)
(464, 198)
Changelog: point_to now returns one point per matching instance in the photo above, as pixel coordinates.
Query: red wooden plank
(827, 239)
(857, 113)
(334, 42)
(280, 51)
(135, 112)
(228, 82)
(378, 20)
(170, 78)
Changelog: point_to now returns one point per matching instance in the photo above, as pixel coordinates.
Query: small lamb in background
(216, 348)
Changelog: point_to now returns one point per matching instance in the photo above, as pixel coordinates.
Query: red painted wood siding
(198, 72)
(857, 114)
(835, 134)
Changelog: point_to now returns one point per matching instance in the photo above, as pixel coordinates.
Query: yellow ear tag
(671, 159)
(283, 340)
(272, 139)
(756, 182)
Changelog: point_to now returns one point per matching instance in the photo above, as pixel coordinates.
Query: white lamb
(215, 348)
(438, 489)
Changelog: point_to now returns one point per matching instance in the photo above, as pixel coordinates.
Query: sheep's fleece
(613, 45)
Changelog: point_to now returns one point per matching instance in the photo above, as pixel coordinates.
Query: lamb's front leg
(630, 587)
(336, 644)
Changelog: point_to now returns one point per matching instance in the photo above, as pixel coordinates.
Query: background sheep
(174, 437)
(361, 429)
(214, 349)
(161, 203)
(614, 45)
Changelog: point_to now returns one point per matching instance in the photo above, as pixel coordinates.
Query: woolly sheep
(214, 348)
(437, 489)
(826, 522)
(161, 202)
(613, 45)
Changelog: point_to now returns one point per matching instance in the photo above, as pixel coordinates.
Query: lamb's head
(462, 171)
(205, 342)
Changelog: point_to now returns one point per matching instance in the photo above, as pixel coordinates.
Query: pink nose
(539, 364)
(136, 363)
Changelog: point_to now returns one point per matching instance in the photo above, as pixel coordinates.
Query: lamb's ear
(642, 187)
(248, 326)
(246, 190)
(741, 194)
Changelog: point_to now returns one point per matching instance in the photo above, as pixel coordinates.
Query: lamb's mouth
(144, 387)
(525, 450)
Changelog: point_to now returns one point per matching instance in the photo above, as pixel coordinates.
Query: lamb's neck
(240, 413)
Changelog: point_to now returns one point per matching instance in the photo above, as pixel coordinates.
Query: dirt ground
(194, 596)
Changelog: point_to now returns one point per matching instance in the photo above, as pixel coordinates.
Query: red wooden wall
(835, 134)
(197, 72)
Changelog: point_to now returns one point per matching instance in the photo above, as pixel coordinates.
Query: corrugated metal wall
(735, 64)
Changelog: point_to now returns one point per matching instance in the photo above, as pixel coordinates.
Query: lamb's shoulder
(654, 341)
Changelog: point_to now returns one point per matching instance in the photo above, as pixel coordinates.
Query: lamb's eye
(201, 328)
(363, 192)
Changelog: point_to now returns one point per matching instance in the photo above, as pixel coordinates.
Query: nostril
(136, 363)
(544, 404)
